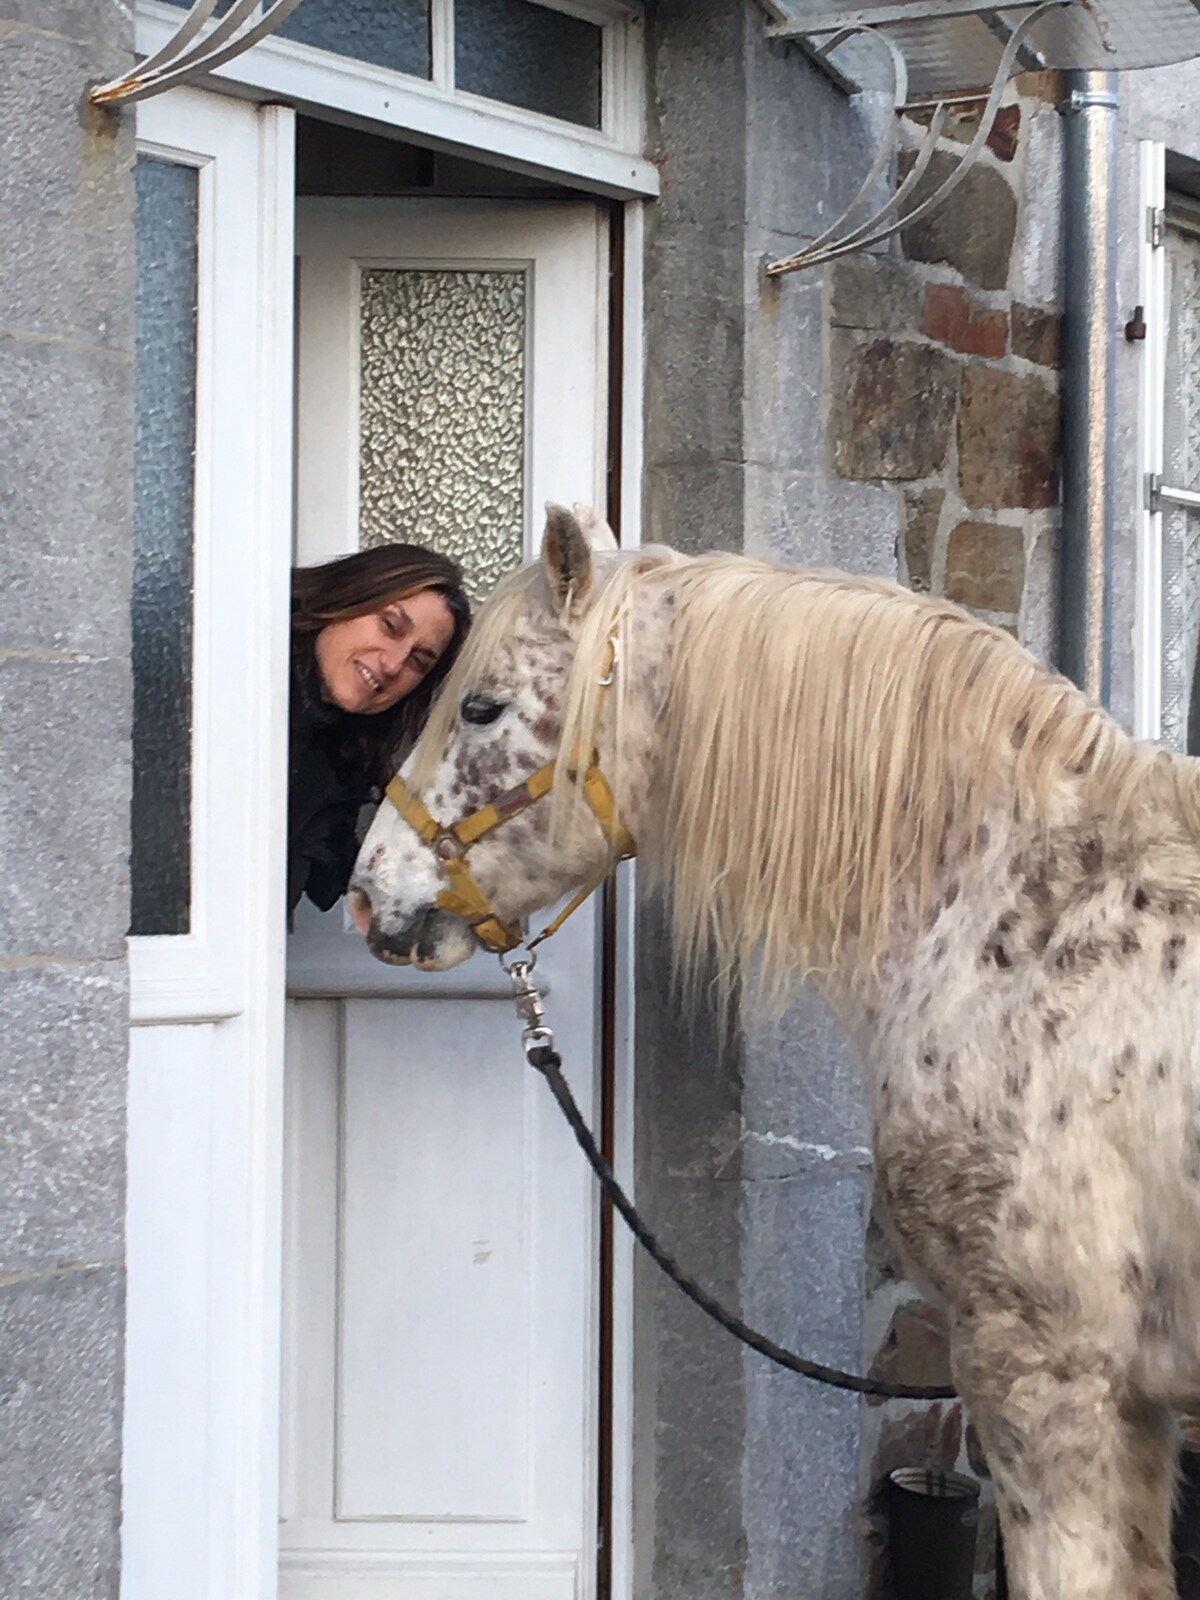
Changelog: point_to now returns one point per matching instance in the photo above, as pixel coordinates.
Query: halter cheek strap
(463, 896)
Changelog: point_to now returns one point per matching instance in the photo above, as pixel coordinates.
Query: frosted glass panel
(442, 418)
(1181, 528)
(167, 199)
(387, 33)
(527, 56)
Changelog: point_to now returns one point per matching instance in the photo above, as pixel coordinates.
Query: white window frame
(203, 975)
(605, 161)
(1148, 637)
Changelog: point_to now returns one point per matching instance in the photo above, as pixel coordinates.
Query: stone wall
(948, 352)
(752, 1154)
(66, 444)
(947, 349)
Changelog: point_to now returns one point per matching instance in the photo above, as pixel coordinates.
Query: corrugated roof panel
(955, 45)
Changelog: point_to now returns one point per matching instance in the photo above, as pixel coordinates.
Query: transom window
(543, 56)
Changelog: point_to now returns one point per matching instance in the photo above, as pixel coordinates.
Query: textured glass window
(1181, 470)
(167, 199)
(387, 33)
(528, 56)
(442, 415)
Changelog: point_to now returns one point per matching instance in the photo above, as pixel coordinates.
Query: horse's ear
(595, 530)
(566, 556)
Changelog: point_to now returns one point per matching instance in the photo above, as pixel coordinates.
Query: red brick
(1002, 140)
(952, 319)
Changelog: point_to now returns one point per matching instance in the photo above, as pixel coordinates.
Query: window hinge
(1154, 226)
(1154, 492)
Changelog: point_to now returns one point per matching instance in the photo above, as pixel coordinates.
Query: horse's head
(461, 800)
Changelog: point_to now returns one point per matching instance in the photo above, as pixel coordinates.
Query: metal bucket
(933, 1518)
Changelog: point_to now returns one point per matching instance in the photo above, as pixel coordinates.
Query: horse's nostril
(359, 906)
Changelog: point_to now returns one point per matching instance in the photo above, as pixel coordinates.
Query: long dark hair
(354, 586)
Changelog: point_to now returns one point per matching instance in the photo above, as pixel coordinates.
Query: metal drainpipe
(1088, 379)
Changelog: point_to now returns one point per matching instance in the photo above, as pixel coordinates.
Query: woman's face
(369, 663)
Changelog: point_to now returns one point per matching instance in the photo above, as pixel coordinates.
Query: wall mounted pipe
(1088, 379)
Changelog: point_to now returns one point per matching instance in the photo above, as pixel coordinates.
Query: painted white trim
(1147, 640)
(606, 162)
(625, 976)
(204, 1292)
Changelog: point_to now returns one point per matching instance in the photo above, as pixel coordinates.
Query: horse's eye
(480, 709)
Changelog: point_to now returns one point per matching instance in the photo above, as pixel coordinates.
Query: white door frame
(200, 1463)
(237, 1541)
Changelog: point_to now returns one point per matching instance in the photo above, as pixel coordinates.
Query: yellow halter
(451, 844)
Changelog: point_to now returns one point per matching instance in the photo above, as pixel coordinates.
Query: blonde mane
(825, 738)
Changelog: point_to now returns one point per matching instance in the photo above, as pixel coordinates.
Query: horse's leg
(1083, 1479)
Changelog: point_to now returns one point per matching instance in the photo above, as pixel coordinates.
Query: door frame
(206, 1085)
(244, 1548)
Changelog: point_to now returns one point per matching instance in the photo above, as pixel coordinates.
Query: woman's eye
(480, 709)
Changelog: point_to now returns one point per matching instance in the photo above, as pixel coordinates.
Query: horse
(830, 776)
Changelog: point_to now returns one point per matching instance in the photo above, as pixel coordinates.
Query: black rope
(549, 1063)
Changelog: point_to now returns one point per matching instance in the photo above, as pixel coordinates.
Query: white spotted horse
(832, 777)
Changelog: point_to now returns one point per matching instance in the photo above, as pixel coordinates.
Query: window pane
(167, 201)
(527, 56)
(442, 419)
(387, 33)
(1181, 470)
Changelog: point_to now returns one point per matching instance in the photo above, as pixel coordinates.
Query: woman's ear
(566, 557)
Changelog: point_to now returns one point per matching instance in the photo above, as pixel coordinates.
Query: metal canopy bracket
(190, 53)
(930, 55)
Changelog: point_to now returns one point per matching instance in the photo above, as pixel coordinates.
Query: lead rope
(538, 1040)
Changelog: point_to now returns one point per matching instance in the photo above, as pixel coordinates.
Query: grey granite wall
(66, 445)
(752, 1155)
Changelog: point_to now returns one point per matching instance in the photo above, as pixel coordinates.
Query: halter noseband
(450, 844)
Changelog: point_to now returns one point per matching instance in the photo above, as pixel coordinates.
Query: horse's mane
(825, 738)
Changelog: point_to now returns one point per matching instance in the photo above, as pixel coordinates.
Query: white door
(210, 631)
(440, 1346)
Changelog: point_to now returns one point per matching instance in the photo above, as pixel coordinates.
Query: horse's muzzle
(431, 938)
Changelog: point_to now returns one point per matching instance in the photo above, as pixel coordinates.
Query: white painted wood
(205, 1125)
(441, 1306)
(607, 161)
(1148, 643)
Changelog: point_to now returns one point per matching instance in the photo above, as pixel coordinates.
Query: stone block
(1036, 335)
(923, 511)
(1037, 256)
(809, 519)
(62, 1136)
(973, 231)
(783, 403)
(64, 807)
(61, 1343)
(985, 566)
(66, 498)
(802, 1263)
(873, 293)
(951, 318)
(915, 1349)
(803, 1101)
(1046, 85)
(893, 408)
(1008, 439)
(103, 22)
(66, 194)
(1039, 614)
(694, 506)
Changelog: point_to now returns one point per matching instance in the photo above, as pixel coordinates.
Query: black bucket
(933, 1519)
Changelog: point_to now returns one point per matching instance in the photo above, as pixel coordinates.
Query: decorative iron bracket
(190, 53)
(846, 233)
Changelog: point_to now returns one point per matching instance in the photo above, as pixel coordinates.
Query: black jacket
(326, 791)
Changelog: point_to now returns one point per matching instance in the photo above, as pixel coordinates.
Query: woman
(373, 634)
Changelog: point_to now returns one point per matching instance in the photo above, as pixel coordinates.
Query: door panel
(440, 1375)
